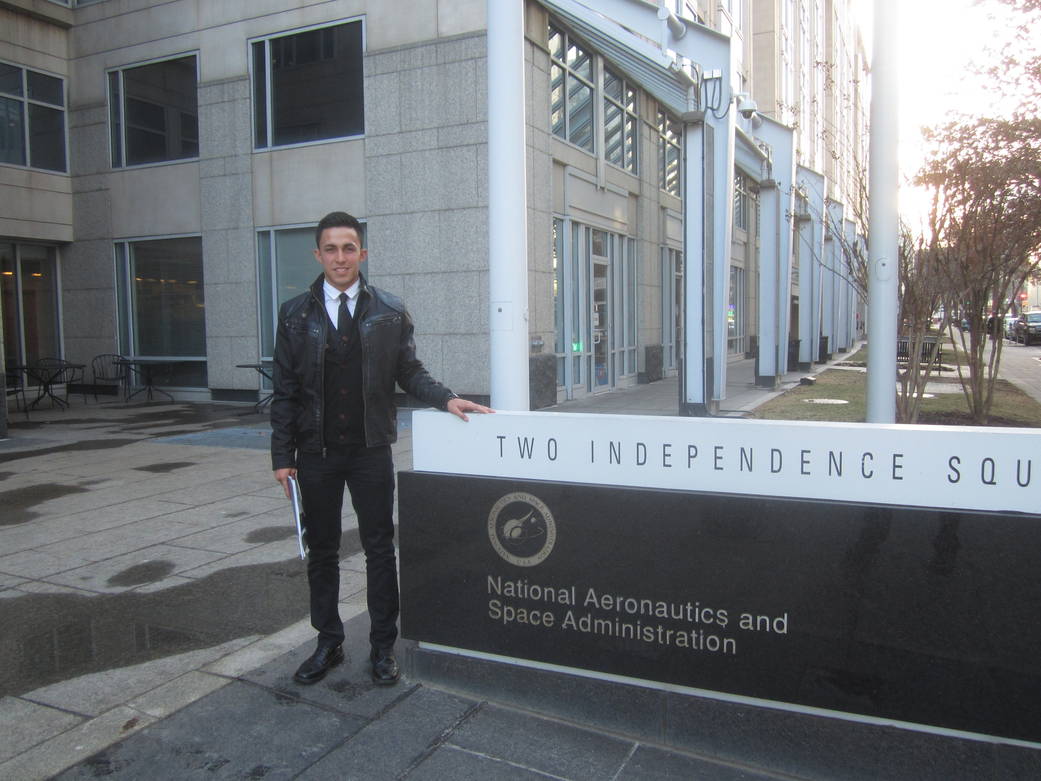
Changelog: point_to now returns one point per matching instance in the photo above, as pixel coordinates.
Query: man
(339, 350)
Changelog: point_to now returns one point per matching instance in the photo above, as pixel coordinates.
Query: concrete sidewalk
(154, 611)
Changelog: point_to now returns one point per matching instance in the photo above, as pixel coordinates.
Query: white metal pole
(507, 207)
(883, 182)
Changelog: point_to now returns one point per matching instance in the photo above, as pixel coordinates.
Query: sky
(939, 41)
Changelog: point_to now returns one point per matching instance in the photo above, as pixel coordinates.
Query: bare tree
(984, 234)
(920, 294)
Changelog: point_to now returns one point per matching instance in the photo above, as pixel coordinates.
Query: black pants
(369, 476)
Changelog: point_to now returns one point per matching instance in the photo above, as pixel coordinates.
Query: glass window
(571, 90)
(308, 86)
(29, 290)
(559, 321)
(669, 135)
(154, 112)
(163, 298)
(621, 122)
(736, 312)
(286, 268)
(32, 119)
(740, 201)
(672, 306)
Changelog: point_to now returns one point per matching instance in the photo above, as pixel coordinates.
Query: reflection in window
(559, 344)
(736, 312)
(621, 122)
(163, 301)
(741, 201)
(29, 292)
(571, 90)
(308, 86)
(32, 119)
(669, 135)
(154, 112)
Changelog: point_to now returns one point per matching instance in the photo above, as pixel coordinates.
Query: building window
(671, 307)
(669, 135)
(742, 202)
(29, 300)
(571, 90)
(621, 122)
(162, 305)
(736, 312)
(559, 314)
(308, 86)
(286, 267)
(154, 112)
(32, 119)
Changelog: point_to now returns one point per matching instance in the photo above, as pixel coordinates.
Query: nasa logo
(521, 529)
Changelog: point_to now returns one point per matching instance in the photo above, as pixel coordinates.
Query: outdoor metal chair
(105, 371)
(52, 372)
(14, 386)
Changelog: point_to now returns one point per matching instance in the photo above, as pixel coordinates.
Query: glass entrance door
(602, 314)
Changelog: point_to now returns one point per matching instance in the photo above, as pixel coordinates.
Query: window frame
(569, 74)
(18, 293)
(127, 337)
(630, 121)
(665, 127)
(27, 101)
(268, 146)
(118, 114)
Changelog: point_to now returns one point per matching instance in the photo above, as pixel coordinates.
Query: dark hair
(339, 220)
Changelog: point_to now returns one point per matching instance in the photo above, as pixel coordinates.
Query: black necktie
(343, 317)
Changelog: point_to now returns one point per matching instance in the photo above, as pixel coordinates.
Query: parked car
(1010, 326)
(1028, 327)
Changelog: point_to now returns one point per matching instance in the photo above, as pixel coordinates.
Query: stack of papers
(294, 499)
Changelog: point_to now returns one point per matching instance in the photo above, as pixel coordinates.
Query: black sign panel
(926, 616)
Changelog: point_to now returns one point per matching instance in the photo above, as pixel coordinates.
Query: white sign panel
(988, 469)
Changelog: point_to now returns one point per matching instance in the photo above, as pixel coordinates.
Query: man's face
(341, 256)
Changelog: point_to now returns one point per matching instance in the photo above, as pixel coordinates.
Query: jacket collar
(318, 293)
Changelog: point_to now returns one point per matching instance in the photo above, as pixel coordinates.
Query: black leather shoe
(318, 664)
(384, 668)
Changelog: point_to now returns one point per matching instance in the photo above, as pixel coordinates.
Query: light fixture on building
(746, 107)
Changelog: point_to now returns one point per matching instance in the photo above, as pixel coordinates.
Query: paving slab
(389, 746)
(113, 575)
(170, 697)
(653, 764)
(42, 564)
(93, 694)
(26, 724)
(460, 765)
(238, 731)
(75, 745)
(552, 747)
(116, 513)
(346, 688)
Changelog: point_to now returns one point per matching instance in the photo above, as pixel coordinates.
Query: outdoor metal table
(145, 368)
(46, 374)
(263, 369)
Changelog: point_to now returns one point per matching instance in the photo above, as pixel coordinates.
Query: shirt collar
(332, 294)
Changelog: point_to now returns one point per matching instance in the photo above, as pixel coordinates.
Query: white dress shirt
(332, 299)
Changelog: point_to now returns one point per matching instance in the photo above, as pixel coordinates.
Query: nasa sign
(855, 604)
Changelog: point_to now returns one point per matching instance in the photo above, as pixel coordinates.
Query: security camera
(746, 107)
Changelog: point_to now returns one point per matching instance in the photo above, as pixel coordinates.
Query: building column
(767, 371)
(811, 272)
(722, 218)
(694, 399)
(507, 207)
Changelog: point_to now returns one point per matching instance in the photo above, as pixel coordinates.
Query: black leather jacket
(388, 357)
